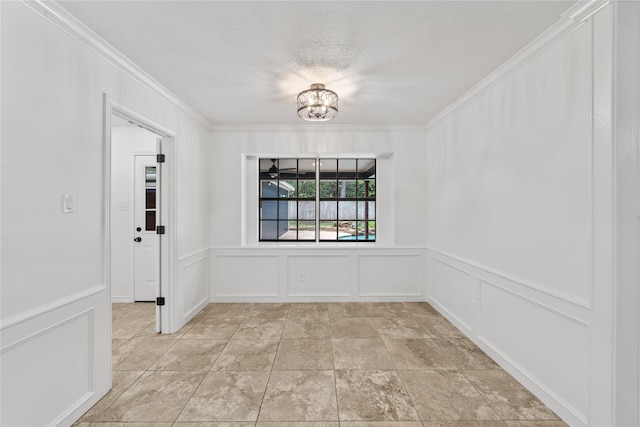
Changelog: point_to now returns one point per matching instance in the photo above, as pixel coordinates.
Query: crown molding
(315, 128)
(56, 14)
(570, 20)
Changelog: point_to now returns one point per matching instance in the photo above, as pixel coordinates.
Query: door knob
(138, 239)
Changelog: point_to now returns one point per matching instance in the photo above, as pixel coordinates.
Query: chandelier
(317, 104)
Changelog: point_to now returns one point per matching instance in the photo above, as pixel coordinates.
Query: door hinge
(161, 158)
(160, 301)
(160, 229)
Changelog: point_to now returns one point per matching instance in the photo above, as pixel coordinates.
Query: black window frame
(280, 183)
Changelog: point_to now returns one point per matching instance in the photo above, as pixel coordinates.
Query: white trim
(121, 300)
(51, 306)
(570, 20)
(572, 299)
(315, 128)
(168, 260)
(59, 16)
(527, 379)
(201, 252)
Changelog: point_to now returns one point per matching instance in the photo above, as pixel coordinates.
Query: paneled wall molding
(89, 313)
(580, 321)
(50, 307)
(194, 280)
(480, 302)
(573, 18)
(572, 299)
(317, 274)
(67, 381)
(193, 255)
(527, 378)
(72, 26)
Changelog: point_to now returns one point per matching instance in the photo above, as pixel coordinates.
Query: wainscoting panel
(66, 343)
(194, 279)
(318, 275)
(540, 339)
(549, 345)
(246, 276)
(451, 287)
(390, 275)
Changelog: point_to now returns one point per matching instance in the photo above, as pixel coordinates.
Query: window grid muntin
(359, 196)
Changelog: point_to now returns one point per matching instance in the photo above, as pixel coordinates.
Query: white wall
(243, 269)
(519, 216)
(55, 300)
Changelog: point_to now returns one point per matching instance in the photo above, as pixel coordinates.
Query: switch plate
(68, 203)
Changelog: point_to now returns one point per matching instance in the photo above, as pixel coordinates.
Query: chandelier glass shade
(317, 104)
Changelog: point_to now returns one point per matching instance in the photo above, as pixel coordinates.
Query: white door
(146, 240)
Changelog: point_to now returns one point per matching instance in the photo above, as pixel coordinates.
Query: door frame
(167, 207)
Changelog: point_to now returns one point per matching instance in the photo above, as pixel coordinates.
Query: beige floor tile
(229, 310)
(353, 327)
(227, 396)
(129, 424)
(347, 309)
(309, 327)
(386, 309)
(507, 396)
(417, 309)
(302, 309)
(298, 424)
(258, 328)
(304, 355)
(536, 424)
(126, 326)
(439, 327)
(464, 354)
(300, 396)
(190, 355)
(120, 382)
(155, 396)
(119, 309)
(399, 327)
(446, 395)
(142, 309)
(213, 329)
(247, 355)
(373, 396)
(364, 342)
(272, 311)
(213, 424)
(150, 332)
(462, 423)
(380, 424)
(361, 354)
(417, 353)
(139, 353)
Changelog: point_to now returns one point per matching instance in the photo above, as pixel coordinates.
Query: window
(317, 200)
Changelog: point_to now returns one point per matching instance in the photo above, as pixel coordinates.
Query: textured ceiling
(390, 62)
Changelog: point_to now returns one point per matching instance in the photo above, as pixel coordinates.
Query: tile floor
(294, 365)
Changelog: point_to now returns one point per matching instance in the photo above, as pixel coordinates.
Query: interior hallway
(307, 364)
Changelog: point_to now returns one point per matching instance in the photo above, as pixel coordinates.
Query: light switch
(68, 203)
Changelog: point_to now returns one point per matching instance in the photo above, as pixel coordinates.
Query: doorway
(139, 208)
